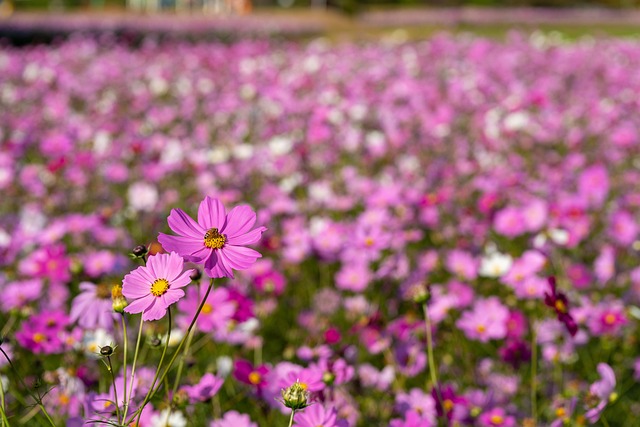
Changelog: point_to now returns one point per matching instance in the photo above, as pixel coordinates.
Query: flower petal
(211, 214)
(240, 257)
(239, 221)
(249, 238)
(182, 224)
(191, 249)
(140, 305)
(156, 311)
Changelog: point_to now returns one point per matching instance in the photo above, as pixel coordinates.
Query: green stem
(534, 368)
(432, 363)
(152, 392)
(115, 390)
(155, 377)
(176, 383)
(293, 411)
(5, 421)
(125, 340)
(36, 398)
(133, 371)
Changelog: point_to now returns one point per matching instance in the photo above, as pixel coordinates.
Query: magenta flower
(203, 391)
(217, 240)
(319, 416)
(154, 287)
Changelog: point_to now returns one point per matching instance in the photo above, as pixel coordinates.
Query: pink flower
(217, 240)
(93, 307)
(488, 320)
(233, 419)
(203, 391)
(318, 416)
(155, 286)
(497, 418)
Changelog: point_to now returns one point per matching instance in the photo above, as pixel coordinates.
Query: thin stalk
(176, 383)
(36, 398)
(432, 362)
(293, 411)
(155, 377)
(5, 421)
(2, 406)
(133, 370)
(152, 392)
(125, 340)
(115, 389)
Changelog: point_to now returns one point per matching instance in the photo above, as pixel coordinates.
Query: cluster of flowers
(451, 240)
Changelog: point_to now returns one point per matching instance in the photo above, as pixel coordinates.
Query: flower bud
(295, 397)
(181, 399)
(139, 251)
(118, 300)
(196, 275)
(107, 350)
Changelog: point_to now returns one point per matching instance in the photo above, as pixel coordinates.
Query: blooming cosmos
(217, 240)
(154, 287)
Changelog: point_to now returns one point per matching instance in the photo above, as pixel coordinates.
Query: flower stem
(152, 392)
(125, 340)
(176, 383)
(432, 362)
(155, 377)
(38, 399)
(115, 389)
(133, 370)
(293, 411)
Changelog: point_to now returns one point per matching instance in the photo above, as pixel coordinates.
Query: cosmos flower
(154, 287)
(217, 240)
(93, 307)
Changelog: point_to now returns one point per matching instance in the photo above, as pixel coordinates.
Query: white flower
(495, 264)
(142, 196)
(93, 341)
(168, 418)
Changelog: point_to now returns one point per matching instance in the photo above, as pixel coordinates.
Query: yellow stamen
(254, 378)
(39, 337)
(610, 319)
(560, 306)
(369, 241)
(304, 386)
(214, 240)
(496, 419)
(448, 405)
(560, 412)
(481, 329)
(207, 308)
(159, 287)
(103, 291)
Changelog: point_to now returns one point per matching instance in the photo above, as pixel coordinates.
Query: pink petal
(239, 221)
(156, 265)
(174, 266)
(135, 287)
(140, 305)
(172, 296)
(187, 247)
(156, 311)
(241, 258)
(214, 268)
(211, 214)
(248, 238)
(182, 280)
(182, 224)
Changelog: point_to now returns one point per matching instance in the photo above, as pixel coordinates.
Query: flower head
(156, 286)
(217, 239)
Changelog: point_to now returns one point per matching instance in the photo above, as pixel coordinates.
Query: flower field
(262, 233)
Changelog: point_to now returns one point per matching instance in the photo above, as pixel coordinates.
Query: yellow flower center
(207, 308)
(560, 306)
(214, 240)
(159, 287)
(610, 319)
(116, 291)
(497, 419)
(369, 241)
(481, 329)
(39, 337)
(304, 386)
(448, 405)
(254, 378)
(561, 412)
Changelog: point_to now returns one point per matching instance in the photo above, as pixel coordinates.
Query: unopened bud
(118, 300)
(196, 275)
(107, 350)
(139, 251)
(295, 397)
